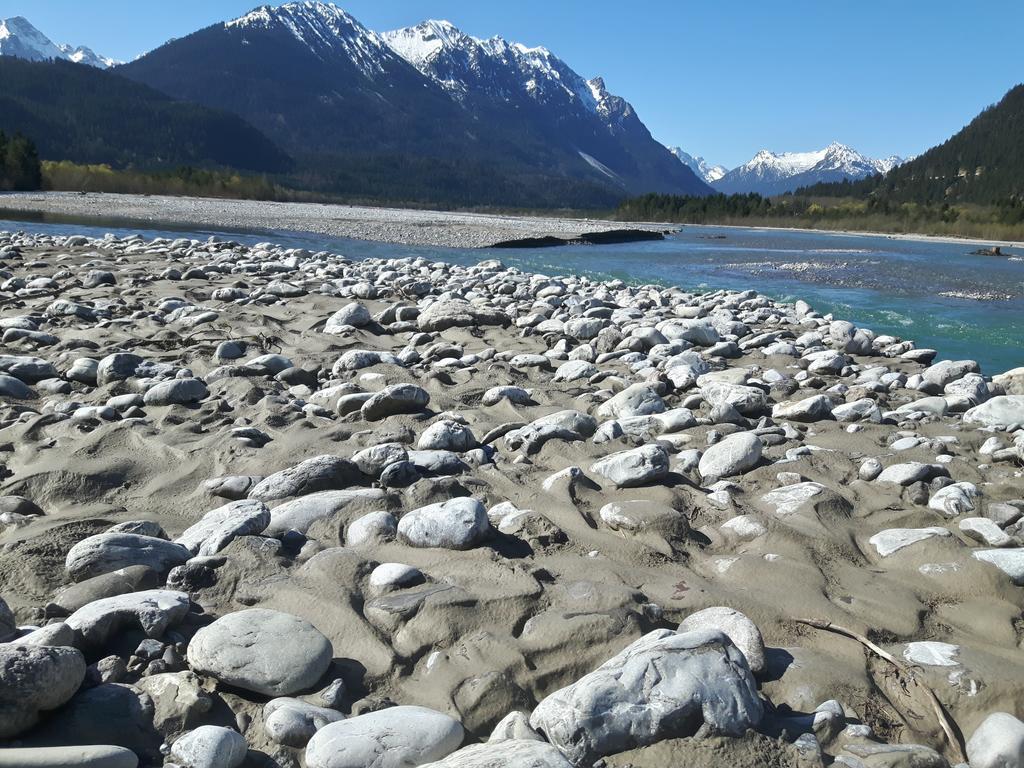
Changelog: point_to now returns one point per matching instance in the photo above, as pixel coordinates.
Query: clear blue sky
(721, 78)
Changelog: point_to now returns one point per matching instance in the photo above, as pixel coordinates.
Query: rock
(299, 514)
(997, 743)
(408, 736)
(68, 757)
(210, 746)
(639, 466)
(152, 610)
(935, 406)
(893, 540)
(634, 400)
(106, 552)
(742, 631)
(511, 753)
(389, 576)
(864, 409)
(221, 526)
(894, 756)
(176, 392)
(34, 679)
(8, 624)
(372, 528)
(955, 499)
(678, 681)
(320, 473)
(261, 650)
(396, 399)
(117, 367)
(456, 313)
(904, 474)
(750, 401)
(515, 395)
(353, 315)
(515, 726)
(1011, 381)
(459, 523)
(26, 368)
(292, 722)
(179, 701)
(1009, 561)
(574, 370)
(810, 409)
(15, 388)
(446, 435)
(1004, 412)
(119, 582)
(372, 461)
(732, 456)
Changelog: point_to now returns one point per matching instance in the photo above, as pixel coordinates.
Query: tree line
(20, 169)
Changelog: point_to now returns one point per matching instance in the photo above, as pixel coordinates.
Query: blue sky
(721, 78)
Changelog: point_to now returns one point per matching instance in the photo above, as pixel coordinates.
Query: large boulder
(664, 685)
(742, 631)
(397, 737)
(1005, 412)
(732, 456)
(263, 651)
(456, 313)
(459, 523)
(34, 679)
(106, 552)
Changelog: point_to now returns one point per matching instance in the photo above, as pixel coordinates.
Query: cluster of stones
(203, 648)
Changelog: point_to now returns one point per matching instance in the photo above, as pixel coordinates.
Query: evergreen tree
(21, 167)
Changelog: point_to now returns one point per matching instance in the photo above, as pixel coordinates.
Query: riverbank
(234, 473)
(386, 225)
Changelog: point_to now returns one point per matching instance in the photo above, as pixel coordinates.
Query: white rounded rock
(210, 746)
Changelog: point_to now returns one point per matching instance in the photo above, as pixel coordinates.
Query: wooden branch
(945, 721)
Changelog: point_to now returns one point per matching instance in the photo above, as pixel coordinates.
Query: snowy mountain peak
(709, 173)
(774, 173)
(19, 38)
(324, 28)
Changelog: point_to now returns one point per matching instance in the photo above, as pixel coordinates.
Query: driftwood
(945, 722)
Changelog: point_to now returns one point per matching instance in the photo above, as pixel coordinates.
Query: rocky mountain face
(771, 173)
(709, 173)
(19, 38)
(419, 109)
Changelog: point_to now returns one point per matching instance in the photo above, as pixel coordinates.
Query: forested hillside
(79, 113)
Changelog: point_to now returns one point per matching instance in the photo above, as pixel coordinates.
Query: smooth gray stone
(750, 401)
(320, 473)
(27, 368)
(664, 685)
(106, 552)
(446, 435)
(639, 466)
(68, 757)
(15, 388)
(732, 456)
(904, 474)
(741, 630)
(117, 367)
(634, 400)
(210, 746)
(997, 743)
(232, 487)
(263, 651)
(8, 624)
(459, 523)
(153, 611)
(141, 527)
(354, 314)
(396, 399)
(176, 392)
(299, 514)
(409, 736)
(371, 461)
(457, 313)
(219, 527)
(55, 634)
(33, 679)
(292, 722)
(119, 582)
(511, 753)
(373, 527)
(515, 395)
(810, 409)
(1004, 412)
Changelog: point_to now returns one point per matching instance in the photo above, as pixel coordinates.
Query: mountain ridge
(19, 38)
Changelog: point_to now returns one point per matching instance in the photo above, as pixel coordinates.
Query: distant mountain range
(20, 39)
(770, 173)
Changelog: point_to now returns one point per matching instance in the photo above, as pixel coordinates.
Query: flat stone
(405, 736)
(510, 753)
(106, 552)
(261, 650)
(932, 653)
(984, 530)
(894, 539)
(219, 527)
(905, 474)
(153, 611)
(1009, 561)
(68, 757)
(678, 681)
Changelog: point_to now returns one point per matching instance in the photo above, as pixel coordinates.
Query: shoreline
(398, 226)
(861, 233)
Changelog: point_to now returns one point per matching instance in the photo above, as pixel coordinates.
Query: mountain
(532, 90)
(89, 115)
(437, 118)
(709, 173)
(769, 173)
(983, 163)
(20, 39)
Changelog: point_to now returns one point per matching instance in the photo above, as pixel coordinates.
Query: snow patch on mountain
(699, 165)
(19, 38)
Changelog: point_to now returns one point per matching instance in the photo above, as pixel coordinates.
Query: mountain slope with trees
(86, 115)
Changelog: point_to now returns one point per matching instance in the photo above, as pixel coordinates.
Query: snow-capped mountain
(709, 173)
(770, 173)
(19, 38)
